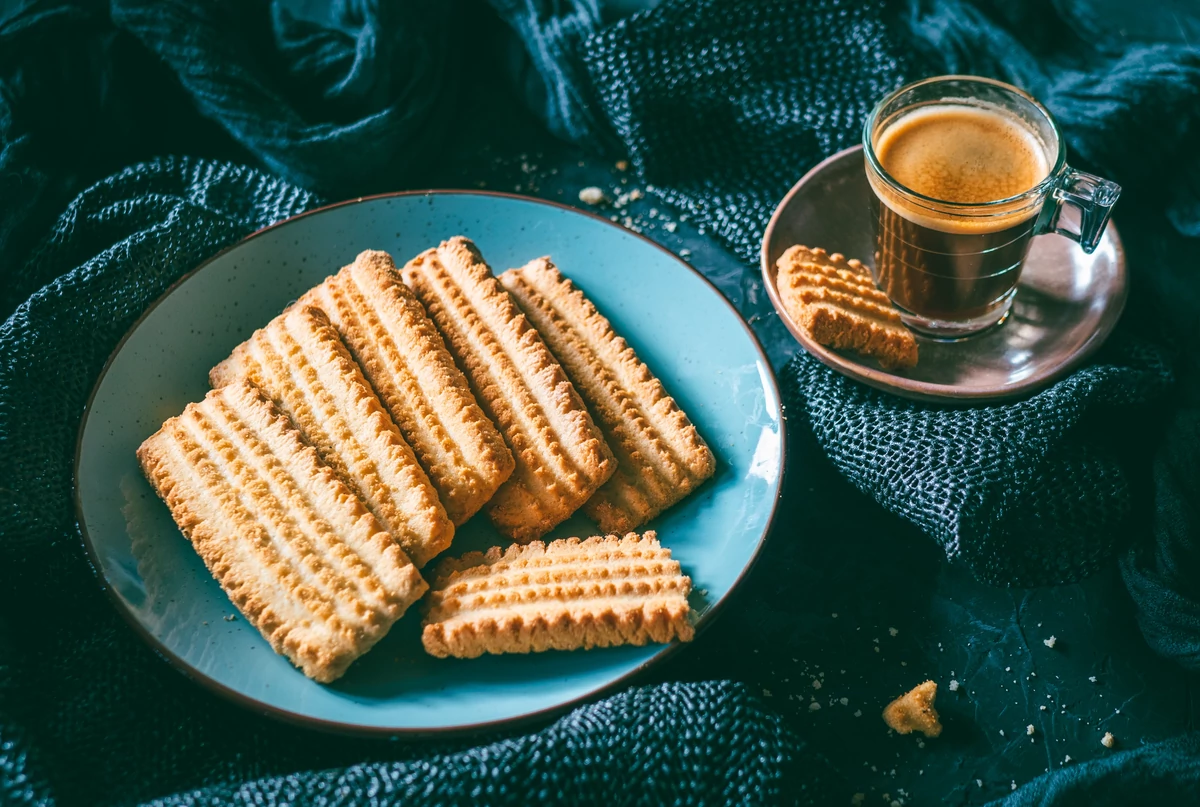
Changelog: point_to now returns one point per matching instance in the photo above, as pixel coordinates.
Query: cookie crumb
(858, 798)
(622, 165)
(953, 685)
(1108, 740)
(814, 706)
(1030, 730)
(1092, 678)
(913, 711)
(893, 632)
(816, 684)
(844, 701)
(592, 195)
(1050, 642)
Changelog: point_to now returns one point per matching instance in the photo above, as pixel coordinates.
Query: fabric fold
(666, 744)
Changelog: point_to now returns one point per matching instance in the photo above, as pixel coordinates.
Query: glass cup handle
(1091, 195)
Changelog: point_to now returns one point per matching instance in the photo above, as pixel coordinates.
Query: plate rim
(927, 391)
(292, 717)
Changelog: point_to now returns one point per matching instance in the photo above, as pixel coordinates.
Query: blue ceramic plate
(679, 324)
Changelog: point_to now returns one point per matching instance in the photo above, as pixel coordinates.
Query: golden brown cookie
(570, 594)
(297, 552)
(561, 456)
(404, 358)
(660, 456)
(299, 361)
(913, 711)
(835, 300)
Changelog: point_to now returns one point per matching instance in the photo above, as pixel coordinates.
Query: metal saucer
(1067, 302)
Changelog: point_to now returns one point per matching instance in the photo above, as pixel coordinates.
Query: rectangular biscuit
(570, 594)
(297, 552)
(404, 358)
(299, 361)
(837, 302)
(561, 456)
(661, 458)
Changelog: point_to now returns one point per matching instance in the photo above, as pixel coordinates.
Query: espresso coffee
(931, 260)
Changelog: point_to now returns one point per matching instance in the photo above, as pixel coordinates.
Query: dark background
(843, 594)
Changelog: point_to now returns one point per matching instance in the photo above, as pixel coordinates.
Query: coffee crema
(962, 154)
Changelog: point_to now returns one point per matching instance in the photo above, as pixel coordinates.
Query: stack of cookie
(344, 442)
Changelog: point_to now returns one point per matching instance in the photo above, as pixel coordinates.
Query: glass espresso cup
(964, 172)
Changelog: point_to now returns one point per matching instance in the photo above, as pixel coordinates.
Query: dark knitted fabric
(722, 106)
(679, 744)
(1023, 493)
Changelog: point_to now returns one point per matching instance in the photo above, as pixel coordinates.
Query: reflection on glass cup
(964, 172)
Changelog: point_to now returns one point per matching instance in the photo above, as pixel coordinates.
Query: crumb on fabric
(893, 632)
(953, 685)
(1108, 740)
(1050, 642)
(913, 711)
(592, 195)
(858, 798)
(622, 165)
(1030, 730)
(814, 707)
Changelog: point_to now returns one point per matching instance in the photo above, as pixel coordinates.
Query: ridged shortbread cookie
(570, 594)
(661, 458)
(295, 549)
(561, 456)
(836, 301)
(299, 361)
(404, 358)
